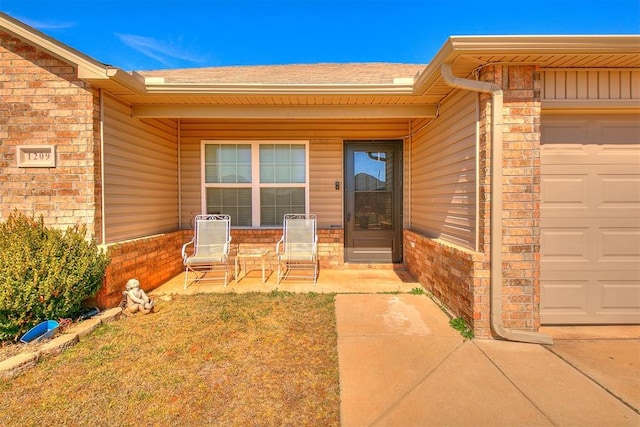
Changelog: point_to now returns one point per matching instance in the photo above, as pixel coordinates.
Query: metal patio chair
(211, 245)
(297, 250)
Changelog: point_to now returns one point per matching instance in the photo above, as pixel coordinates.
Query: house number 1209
(36, 156)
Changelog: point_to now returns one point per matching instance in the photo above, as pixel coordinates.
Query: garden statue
(136, 299)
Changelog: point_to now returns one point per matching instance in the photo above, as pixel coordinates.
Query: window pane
(228, 153)
(275, 202)
(228, 163)
(211, 153)
(244, 153)
(232, 201)
(282, 154)
(298, 153)
(228, 173)
(283, 174)
(282, 163)
(267, 173)
(298, 173)
(267, 153)
(244, 172)
(212, 173)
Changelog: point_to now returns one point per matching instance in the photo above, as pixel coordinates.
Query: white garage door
(590, 219)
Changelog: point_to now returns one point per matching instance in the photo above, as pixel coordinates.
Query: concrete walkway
(401, 364)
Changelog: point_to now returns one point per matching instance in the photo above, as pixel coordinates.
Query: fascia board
(134, 82)
(431, 73)
(280, 89)
(88, 69)
(560, 44)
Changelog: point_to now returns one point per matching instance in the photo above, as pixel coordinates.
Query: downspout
(496, 205)
(103, 220)
(179, 174)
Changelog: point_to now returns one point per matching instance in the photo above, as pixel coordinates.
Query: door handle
(348, 216)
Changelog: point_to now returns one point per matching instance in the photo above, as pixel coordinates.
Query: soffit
(468, 54)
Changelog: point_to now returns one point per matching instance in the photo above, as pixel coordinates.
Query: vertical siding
(443, 180)
(141, 180)
(325, 154)
(590, 85)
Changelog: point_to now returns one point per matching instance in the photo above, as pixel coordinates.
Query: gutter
(496, 205)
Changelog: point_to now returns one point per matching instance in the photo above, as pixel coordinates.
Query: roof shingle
(293, 74)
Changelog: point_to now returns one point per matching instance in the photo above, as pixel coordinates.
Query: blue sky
(156, 34)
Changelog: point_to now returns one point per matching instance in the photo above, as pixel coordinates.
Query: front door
(373, 201)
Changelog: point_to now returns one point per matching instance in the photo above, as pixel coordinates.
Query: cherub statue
(136, 299)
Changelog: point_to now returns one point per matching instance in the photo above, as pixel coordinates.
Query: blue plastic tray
(42, 330)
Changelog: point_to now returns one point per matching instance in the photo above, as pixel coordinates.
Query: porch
(348, 280)
(451, 274)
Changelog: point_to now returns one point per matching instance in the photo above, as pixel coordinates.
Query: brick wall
(152, 260)
(460, 278)
(330, 244)
(521, 191)
(156, 259)
(43, 102)
(457, 277)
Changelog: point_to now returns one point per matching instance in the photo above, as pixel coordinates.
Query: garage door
(590, 219)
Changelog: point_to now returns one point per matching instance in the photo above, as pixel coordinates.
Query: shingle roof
(294, 74)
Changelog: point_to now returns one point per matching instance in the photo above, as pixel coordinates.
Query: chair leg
(315, 273)
(278, 275)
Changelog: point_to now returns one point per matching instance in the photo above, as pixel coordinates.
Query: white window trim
(255, 175)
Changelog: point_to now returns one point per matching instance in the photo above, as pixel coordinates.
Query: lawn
(209, 359)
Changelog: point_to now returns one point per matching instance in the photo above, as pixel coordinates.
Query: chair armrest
(281, 241)
(227, 246)
(184, 249)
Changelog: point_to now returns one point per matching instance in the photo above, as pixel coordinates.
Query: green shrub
(45, 273)
(461, 326)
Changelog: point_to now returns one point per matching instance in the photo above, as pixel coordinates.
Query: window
(255, 182)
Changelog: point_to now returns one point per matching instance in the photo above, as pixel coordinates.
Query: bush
(45, 273)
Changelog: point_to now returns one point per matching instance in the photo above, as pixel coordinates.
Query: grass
(230, 359)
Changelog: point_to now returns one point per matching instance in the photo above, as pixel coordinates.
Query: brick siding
(457, 277)
(156, 259)
(43, 102)
(152, 260)
(521, 191)
(460, 278)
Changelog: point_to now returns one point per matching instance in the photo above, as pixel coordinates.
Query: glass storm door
(373, 202)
